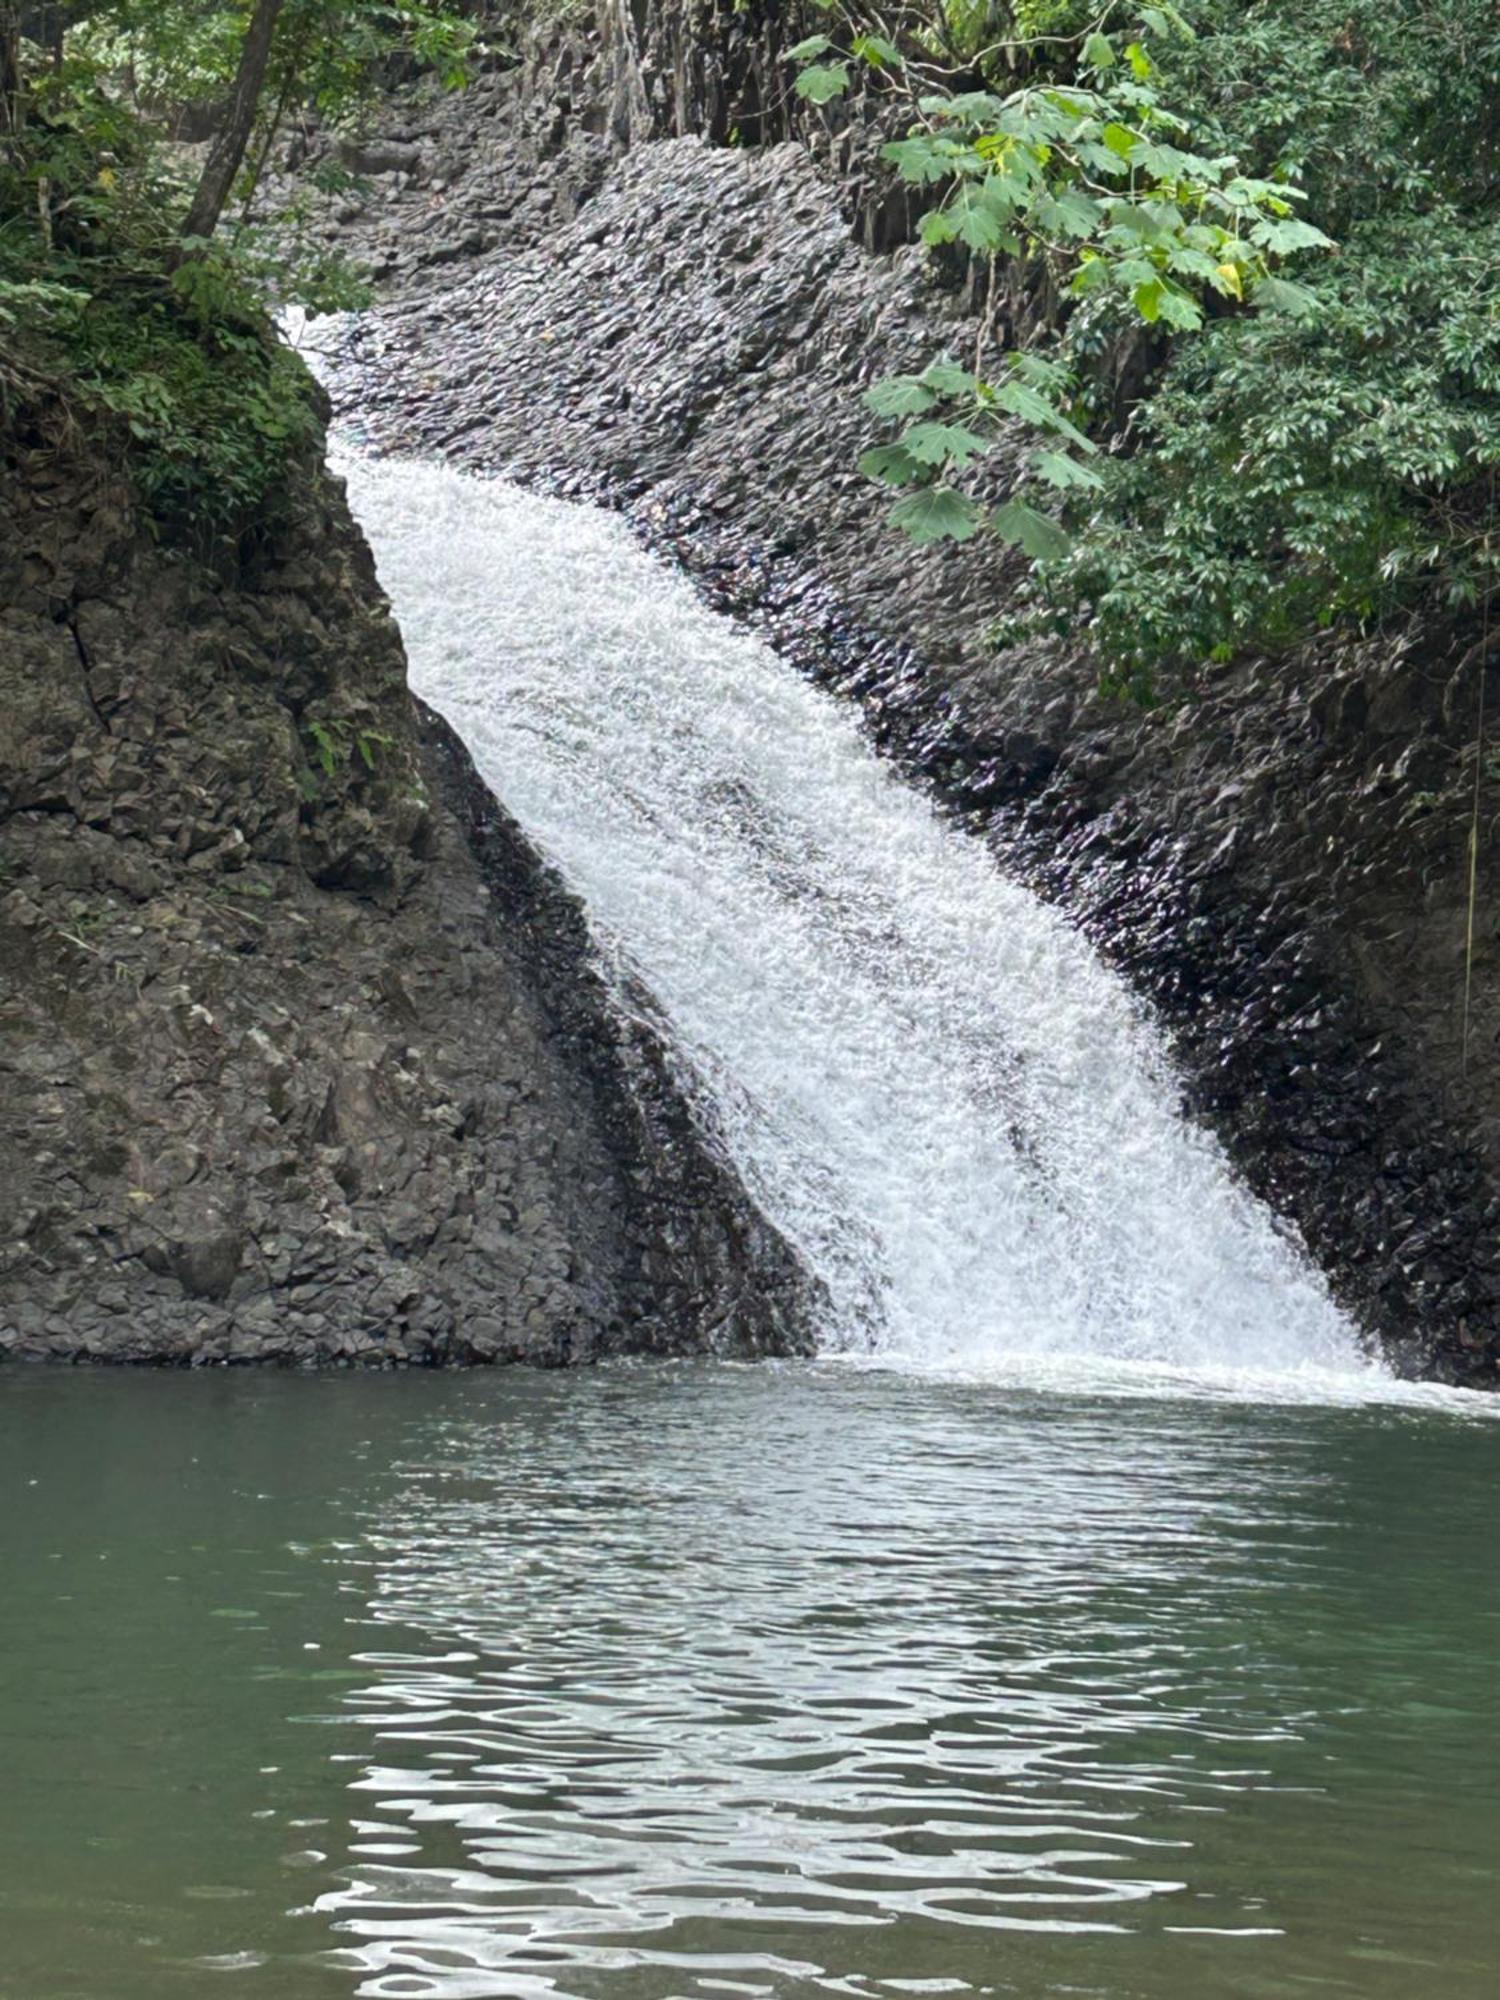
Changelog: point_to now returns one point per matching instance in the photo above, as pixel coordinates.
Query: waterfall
(926, 1078)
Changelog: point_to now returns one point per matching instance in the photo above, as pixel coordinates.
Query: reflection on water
(725, 1708)
(670, 1682)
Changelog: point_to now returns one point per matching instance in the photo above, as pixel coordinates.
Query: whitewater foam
(928, 1080)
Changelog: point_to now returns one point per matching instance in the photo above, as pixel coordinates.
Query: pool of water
(665, 1682)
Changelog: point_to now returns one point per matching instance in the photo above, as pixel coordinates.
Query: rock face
(302, 1053)
(1281, 864)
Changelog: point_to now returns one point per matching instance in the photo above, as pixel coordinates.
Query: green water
(647, 1684)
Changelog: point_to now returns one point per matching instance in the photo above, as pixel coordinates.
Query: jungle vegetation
(130, 308)
(1249, 303)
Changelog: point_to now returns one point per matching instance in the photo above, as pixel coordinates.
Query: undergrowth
(159, 348)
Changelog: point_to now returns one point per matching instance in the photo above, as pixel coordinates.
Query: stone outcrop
(303, 1056)
(1280, 863)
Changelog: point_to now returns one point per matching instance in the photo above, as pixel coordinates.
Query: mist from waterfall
(926, 1078)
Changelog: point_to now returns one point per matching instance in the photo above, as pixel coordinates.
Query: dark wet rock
(304, 1056)
(378, 156)
(1279, 863)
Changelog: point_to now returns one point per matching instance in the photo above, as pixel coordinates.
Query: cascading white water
(926, 1078)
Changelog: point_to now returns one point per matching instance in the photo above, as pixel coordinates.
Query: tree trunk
(228, 150)
(272, 127)
(10, 72)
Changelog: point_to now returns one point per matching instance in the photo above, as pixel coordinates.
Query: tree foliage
(1305, 205)
(1095, 180)
(122, 304)
(1288, 474)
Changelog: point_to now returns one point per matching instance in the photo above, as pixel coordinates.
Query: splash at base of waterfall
(928, 1081)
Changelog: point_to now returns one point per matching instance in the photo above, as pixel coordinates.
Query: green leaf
(1075, 106)
(822, 83)
(1043, 539)
(937, 514)
(1069, 214)
(918, 160)
(1191, 263)
(935, 444)
(1059, 470)
(1050, 376)
(878, 52)
(808, 51)
(1281, 295)
(1139, 61)
(1120, 140)
(899, 396)
(948, 378)
(891, 464)
(1283, 237)
(975, 227)
(1180, 309)
(1033, 408)
(981, 217)
(971, 106)
(1099, 51)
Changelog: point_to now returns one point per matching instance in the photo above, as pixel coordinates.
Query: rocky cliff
(680, 328)
(302, 1052)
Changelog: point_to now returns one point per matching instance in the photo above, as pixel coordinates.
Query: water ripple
(744, 1706)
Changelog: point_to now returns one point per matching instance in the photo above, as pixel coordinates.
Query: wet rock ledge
(303, 1055)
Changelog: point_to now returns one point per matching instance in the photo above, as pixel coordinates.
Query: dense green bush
(170, 362)
(1331, 459)
(1290, 473)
